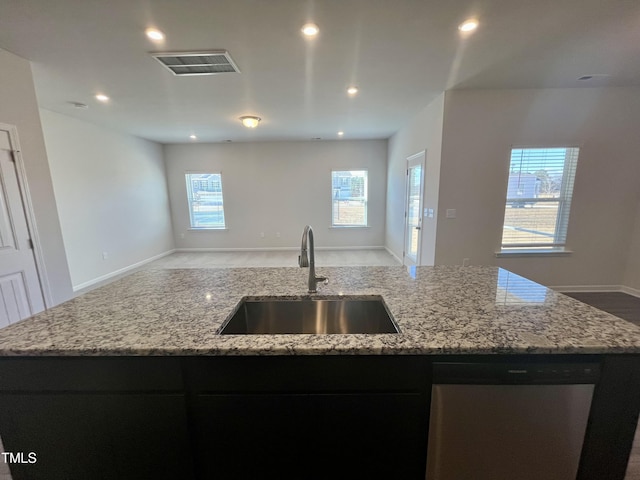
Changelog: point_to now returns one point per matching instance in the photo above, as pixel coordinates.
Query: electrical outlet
(261, 234)
(277, 234)
(105, 255)
(451, 213)
(465, 262)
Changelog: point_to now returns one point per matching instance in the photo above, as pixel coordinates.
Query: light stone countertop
(439, 310)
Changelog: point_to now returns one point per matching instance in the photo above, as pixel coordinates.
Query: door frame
(27, 204)
(412, 158)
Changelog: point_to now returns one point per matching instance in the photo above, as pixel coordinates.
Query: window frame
(366, 198)
(564, 200)
(189, 198)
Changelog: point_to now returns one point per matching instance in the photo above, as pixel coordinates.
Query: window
(206, 206)
(539, 192)
(349, 192)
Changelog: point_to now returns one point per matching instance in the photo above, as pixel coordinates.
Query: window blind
(538, 202)
(349, 193)
(206, 204)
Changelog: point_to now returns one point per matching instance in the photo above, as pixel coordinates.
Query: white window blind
(349, 192)
(206, 204)
(538, 201)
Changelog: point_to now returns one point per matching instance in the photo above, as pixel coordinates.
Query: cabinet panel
(311, 436)
(83, 374)
(101, 436)
(351, 373)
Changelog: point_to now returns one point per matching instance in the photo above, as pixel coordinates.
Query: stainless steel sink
(329, 315)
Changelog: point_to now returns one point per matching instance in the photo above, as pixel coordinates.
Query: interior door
(20, 290)
(413, 209)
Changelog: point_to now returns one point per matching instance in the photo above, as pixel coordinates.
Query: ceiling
(400, 53)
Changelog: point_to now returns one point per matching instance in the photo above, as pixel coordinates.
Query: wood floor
(617, 303)
(627, 307)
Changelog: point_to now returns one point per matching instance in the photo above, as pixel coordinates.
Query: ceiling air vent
(197, 63)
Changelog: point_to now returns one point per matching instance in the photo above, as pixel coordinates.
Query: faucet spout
(310, 261)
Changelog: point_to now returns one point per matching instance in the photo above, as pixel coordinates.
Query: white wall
(18, 106)
(422, 132)
(632, 276)
(276, 187)
(479, 129)
(112, 197)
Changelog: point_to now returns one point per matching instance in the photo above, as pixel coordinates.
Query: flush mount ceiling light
(341, 133)
(101, 97)
(250, 121)
(193, 137)
(154, 34)
(468, 25)
(352, 90)
(310, 29)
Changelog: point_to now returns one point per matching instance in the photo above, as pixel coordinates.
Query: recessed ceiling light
(310, 29)
(468, 25)
(154, 34)
(250, 121)
(352, 90)
(340, 133)
(193, 137)
(102, 98)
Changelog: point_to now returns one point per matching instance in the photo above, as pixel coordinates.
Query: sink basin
(339, 315)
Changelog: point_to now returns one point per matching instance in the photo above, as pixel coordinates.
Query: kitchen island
(95, 375)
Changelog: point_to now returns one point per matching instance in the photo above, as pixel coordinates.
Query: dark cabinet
(315, 418)
(96, 436)
(319, 436)
(285, 417)
(215, 417)
(94, 419)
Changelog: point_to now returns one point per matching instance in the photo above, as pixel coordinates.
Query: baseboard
(596, 288)
(399, 260)
(631, 291)
(586, 288)
(110, 276)
(273, 249)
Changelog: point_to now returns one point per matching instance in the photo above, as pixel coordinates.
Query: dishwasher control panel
(515, 373)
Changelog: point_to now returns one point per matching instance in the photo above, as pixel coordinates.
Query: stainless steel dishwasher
(498, 421)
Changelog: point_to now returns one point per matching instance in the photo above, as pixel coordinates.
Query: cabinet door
(96, 436)
(310, 436)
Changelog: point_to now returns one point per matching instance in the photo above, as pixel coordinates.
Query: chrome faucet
(310, 261)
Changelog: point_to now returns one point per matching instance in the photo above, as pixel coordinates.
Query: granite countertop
(439, 310)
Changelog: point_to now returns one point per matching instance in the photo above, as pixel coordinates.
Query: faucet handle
(324, 280)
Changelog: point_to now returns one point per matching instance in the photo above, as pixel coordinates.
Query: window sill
(341, 227)
(534, 252)
(208, 229)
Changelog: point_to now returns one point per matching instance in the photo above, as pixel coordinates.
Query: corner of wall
(632, 272)
(19, 107)
(423, 131)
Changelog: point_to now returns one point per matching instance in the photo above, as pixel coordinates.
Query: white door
(20, 290)
(413, 209)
